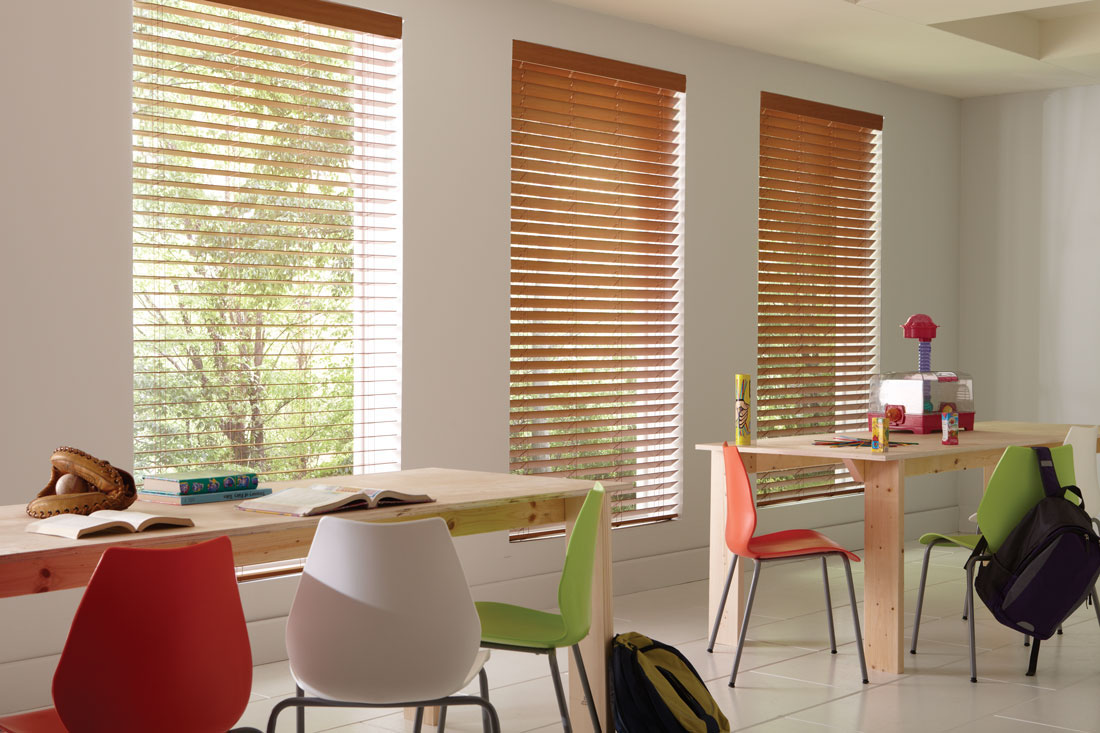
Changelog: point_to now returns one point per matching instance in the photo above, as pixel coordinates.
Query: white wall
(1029, 257)
(68, 211)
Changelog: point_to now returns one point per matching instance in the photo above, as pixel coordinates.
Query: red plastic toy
(920, 412)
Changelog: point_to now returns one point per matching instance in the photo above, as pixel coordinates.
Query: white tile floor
(789, 682)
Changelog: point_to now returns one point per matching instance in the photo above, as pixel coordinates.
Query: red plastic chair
(158, 643)
(740, 526)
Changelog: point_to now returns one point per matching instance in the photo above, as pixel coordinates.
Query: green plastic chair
(519, 629)
(1014, 488)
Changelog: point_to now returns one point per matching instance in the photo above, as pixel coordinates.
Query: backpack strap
(979, 550)
(1051, 485)
(1047, 472)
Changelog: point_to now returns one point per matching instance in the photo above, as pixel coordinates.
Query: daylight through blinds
(818, 283)
(266, 242)
(596, 286)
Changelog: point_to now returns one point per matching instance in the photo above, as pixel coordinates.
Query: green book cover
(201, 482)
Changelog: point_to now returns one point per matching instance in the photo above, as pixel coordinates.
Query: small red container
(950, 423)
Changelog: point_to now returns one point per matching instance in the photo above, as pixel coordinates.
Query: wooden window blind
(596, 285)
(818, 282)
(266, 241)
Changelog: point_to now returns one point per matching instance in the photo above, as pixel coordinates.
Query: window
(266, 241)
(818, 291)
(596, 287)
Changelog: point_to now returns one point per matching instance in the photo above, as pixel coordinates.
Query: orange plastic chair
(158, 643)
(740, 526)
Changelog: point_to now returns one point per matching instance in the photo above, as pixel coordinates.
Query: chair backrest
(1015, 487)
(1083, 440)
(740, 507)
(575, 586)
(158, 643)
(382, 614)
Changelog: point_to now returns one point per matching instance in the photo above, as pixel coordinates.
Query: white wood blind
(818, 287)
(266, 239)
(596, 286)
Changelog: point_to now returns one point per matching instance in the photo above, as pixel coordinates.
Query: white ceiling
(963, 48)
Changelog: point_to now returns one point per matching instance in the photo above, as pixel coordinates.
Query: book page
(140, 521)
(303, 500)
(385, 497)
(134, 519)
(341, 489)
(70, 525)
(377, 497)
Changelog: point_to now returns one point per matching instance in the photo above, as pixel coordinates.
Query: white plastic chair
(1083, 441)
(383, 617)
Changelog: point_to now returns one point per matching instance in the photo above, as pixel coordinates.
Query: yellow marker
(742, 388)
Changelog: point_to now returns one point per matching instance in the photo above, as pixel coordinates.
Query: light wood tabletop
(471, 502)
(883, 475)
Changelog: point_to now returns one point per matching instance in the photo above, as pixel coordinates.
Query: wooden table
(471, 502)
(883, 475)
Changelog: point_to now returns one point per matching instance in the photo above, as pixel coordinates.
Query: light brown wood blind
(596, 286)
(818, 280)
(266, 240)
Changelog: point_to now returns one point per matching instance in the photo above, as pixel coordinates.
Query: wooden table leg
(883, 588)
(431, 716)
(596, 647)
(721, 557)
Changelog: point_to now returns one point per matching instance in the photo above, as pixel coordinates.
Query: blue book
(166, 497)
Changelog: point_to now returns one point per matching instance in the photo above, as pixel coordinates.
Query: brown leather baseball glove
(114, 487)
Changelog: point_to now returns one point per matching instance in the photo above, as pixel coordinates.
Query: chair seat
(40, 721)
(969, 541)
(794, 543)
(503, 623)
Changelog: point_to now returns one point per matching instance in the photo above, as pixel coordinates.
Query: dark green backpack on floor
(656, 690)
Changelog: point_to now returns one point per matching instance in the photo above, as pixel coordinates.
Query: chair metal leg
(443, 702)
(745, 621)
(970, 621)
(855, 616)
(300, 713)
(592, 712)
(489, 712)
(1096, 604)
(722, 605)
(563, 708)
(442, 719)
(920, 596)
(483, 686)
(828, 604)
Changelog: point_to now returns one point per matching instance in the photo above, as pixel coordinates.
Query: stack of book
(200, 487)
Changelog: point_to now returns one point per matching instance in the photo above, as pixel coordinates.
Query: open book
(75, 526)
(306, 501)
